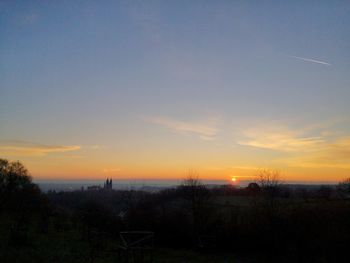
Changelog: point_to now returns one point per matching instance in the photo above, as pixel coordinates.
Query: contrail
(312, 60)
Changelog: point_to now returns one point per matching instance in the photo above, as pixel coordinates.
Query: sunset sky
(151, 89)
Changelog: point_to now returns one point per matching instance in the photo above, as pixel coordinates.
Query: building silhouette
(108, 184)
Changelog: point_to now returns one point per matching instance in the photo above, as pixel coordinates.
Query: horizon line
(180, 180)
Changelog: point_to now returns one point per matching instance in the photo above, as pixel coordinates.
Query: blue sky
(130, 77)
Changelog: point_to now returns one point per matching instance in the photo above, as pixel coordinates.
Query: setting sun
(158, 131)
(142, 101)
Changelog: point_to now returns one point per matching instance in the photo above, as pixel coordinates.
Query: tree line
(267, 219)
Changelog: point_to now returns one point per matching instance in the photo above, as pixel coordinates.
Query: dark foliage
(269, 221)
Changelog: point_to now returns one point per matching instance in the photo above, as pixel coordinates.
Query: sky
(152, 89)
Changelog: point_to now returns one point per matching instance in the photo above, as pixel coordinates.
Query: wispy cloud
(206, 130)
(312, 60)
(334, 154)
(24, 148)
(326, 150)
(280, 139)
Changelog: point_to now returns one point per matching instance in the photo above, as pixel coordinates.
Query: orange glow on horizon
(101, 167)
(143, 173)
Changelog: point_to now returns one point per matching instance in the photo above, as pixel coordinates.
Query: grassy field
(70, 247)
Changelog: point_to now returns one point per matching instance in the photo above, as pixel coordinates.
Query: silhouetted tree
(344, 186)
(270, 183)
(268, 178)
(20, 199)
(16, 187)
(197, 193)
